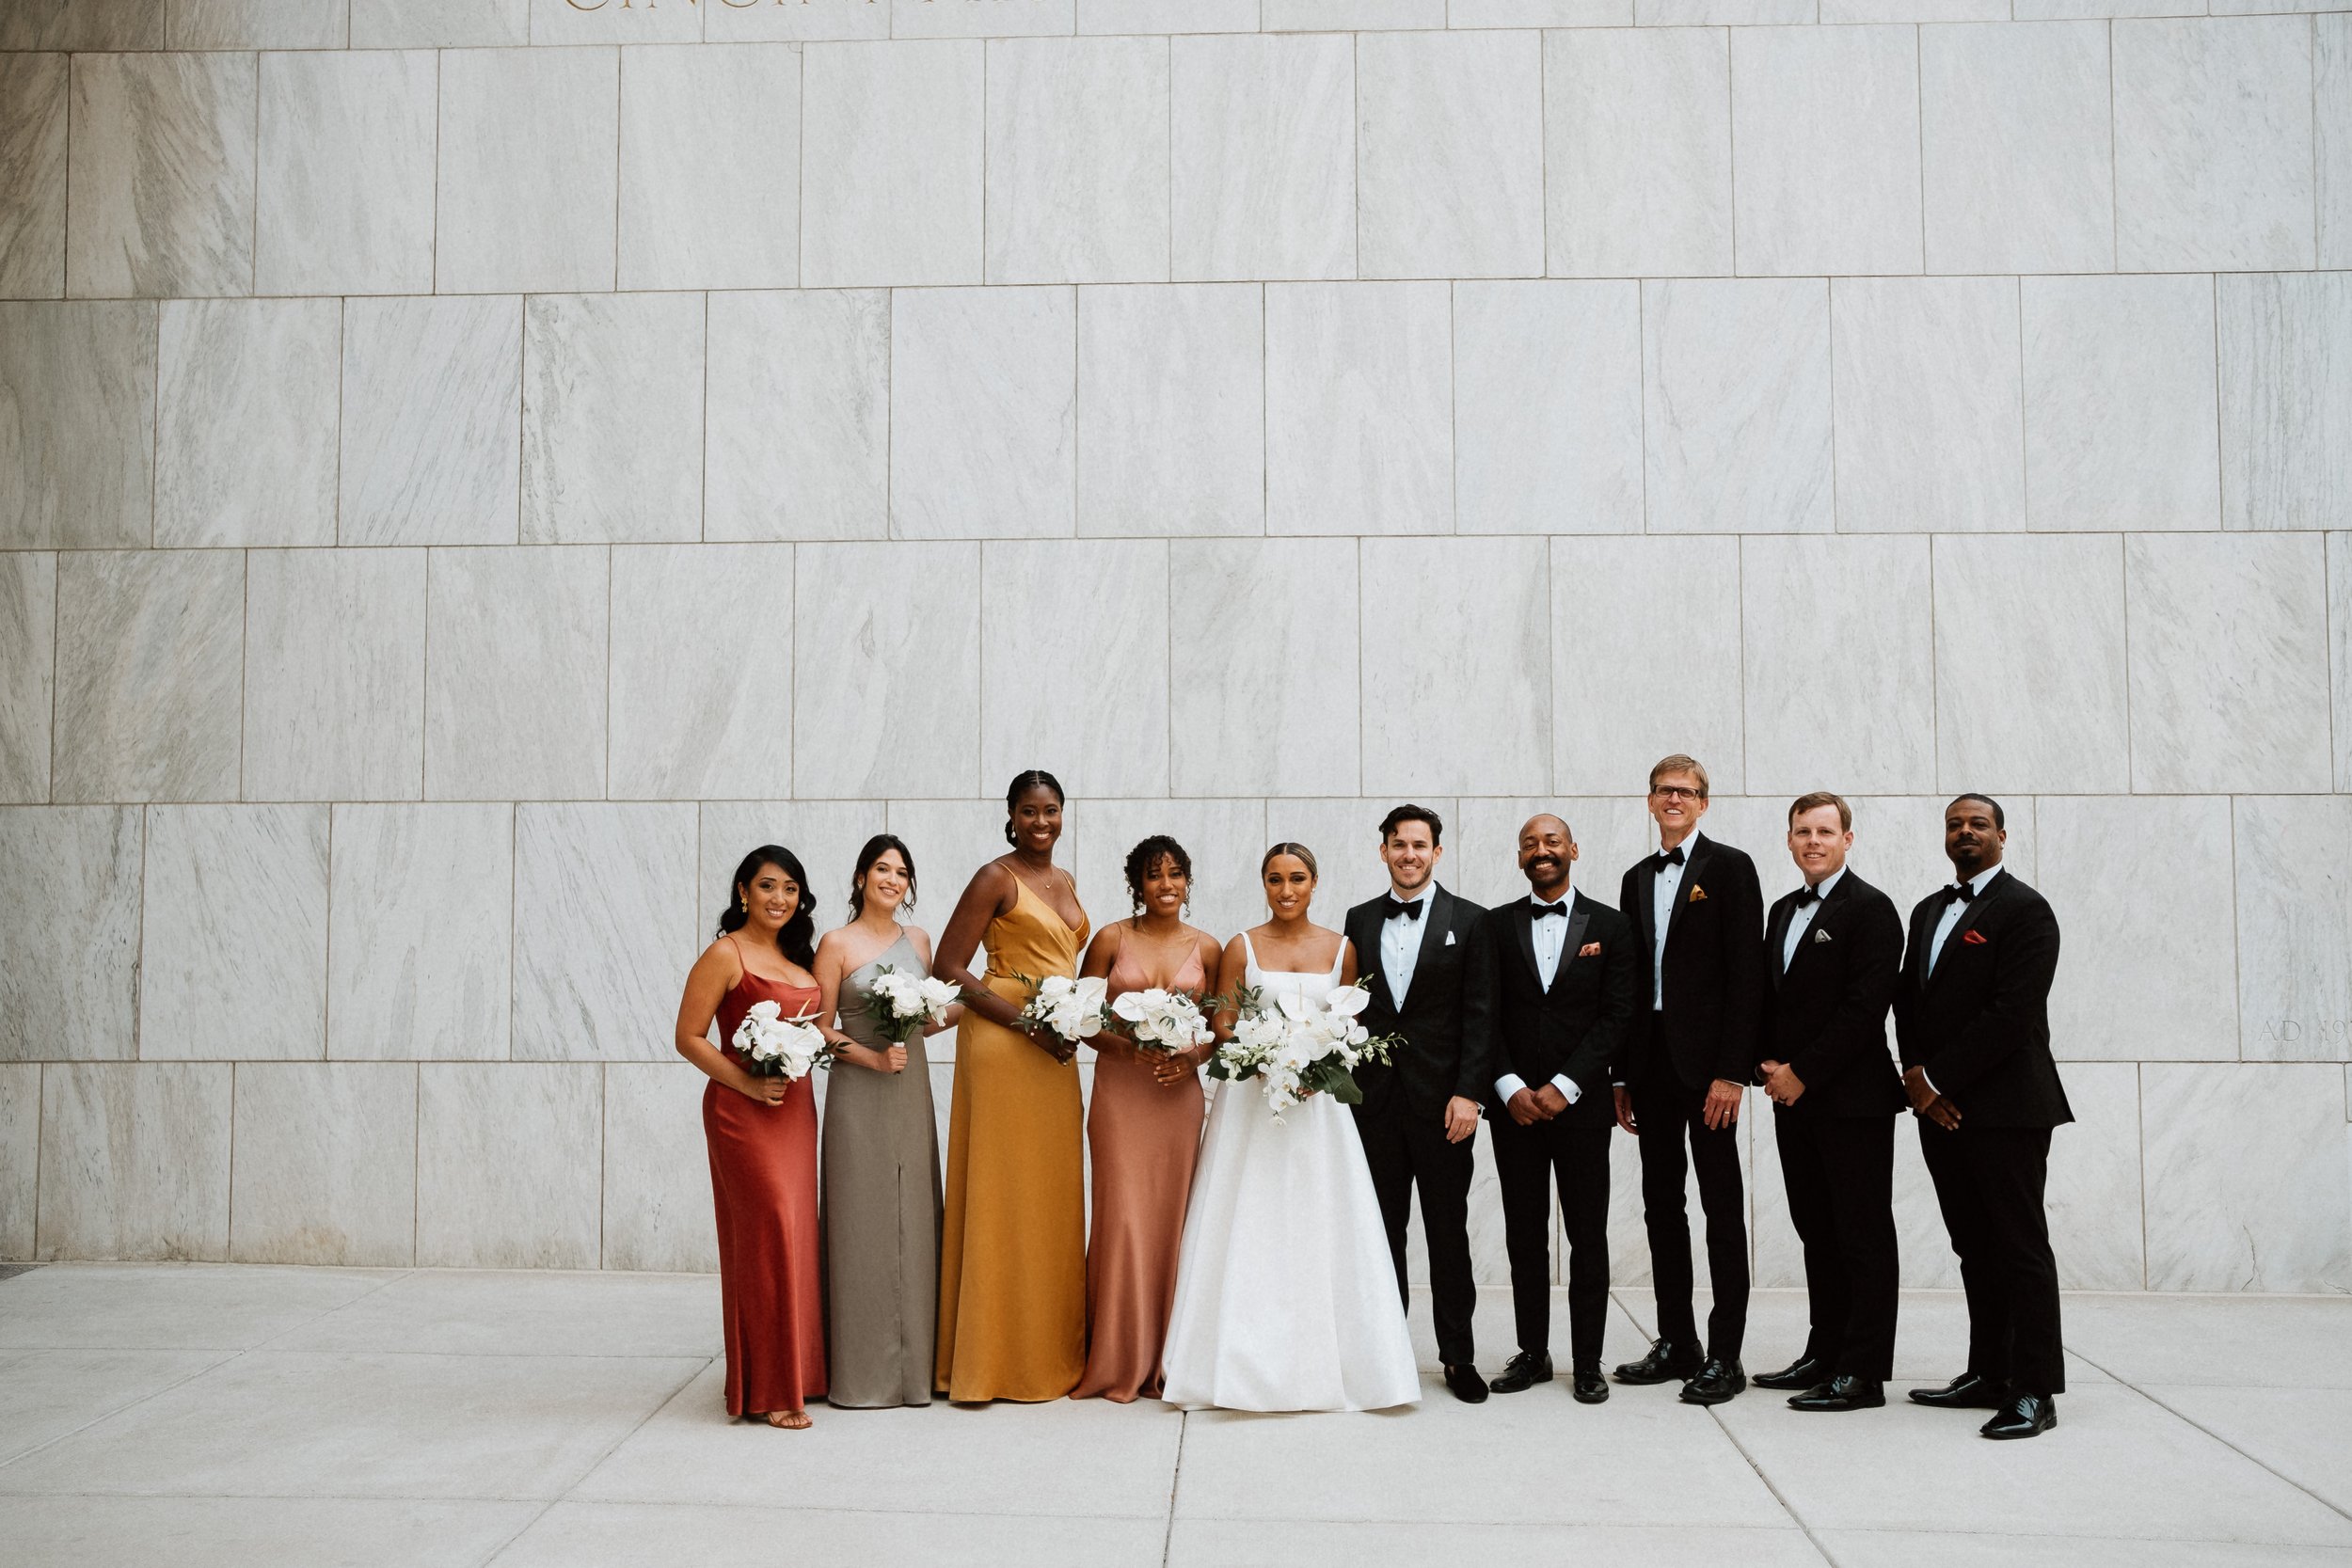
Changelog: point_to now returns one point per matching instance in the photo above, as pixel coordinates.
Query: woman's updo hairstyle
(1034, 778)
(1149, 853)
(1286, 847)
(879, 844)
(797, 940)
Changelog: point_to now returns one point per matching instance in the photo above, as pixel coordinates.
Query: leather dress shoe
(1804, 1372)
(2027, 1415)
(1968, 1391)
(1590, 1388)
(1467, 1385)
(1841, 1393)
(1522, 1371)
(1666, 1363)
(1717, 1381)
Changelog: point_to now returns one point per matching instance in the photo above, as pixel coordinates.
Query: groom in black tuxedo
(1563, 973)
(1415, 951)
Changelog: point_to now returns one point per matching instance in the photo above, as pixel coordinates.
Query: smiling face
(1165, 888)
(1290, 887)
(1036, 821)
(1411, 853)
(1677, 800)
(1971, 836)
(1818, 843)
(1546, 850)
(770, 898)
(886, 882)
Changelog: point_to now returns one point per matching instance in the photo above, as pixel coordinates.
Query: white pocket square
(1821, 936)
(1449, 939)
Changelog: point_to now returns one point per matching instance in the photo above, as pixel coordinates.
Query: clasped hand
(1529, 1106)
(1781, 1082)
(1926, 1102)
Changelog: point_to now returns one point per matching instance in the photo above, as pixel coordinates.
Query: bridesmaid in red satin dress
(763, 1143)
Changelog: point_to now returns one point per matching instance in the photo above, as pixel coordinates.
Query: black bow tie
(1665, 858)
(1537, 908)
(1961, 891)
(1807, 896)
(1391, 908)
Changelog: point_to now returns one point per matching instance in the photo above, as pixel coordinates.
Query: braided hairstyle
(1023, 782)
(1147, 854)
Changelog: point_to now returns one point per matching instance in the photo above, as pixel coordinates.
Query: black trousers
(1405, 1150)
(1528, 1160)
(1989, 1181)
(1841, 1175)
(1669, 1112)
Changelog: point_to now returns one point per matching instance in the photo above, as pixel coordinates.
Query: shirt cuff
(1567, 1085)
(1507, 1085)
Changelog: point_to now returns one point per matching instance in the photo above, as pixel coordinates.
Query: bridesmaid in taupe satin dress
(880, 1151)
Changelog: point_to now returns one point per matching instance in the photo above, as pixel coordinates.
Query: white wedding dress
(1285, 1291)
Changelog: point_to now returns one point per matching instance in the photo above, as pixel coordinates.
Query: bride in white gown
(1285, 1291)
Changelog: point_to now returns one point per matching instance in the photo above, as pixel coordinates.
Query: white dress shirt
(1669, 882)
(1552, 936)
(1400, 942)
(1801, 918)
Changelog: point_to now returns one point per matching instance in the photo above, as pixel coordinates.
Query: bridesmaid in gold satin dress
(1013, 1310)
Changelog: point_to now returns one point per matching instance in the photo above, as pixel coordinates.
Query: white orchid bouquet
(774, 1046)
(1301, 1046)
(904, 1005)
(1162, 1021)
(1072, 1008)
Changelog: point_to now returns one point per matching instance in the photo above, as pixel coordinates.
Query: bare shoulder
(921, 940)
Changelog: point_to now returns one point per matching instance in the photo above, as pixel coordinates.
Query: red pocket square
(1975, 939)
(1590, 950)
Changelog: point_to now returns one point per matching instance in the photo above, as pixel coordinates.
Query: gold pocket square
(1698, 894)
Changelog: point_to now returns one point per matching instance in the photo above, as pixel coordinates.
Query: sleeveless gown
(881, 1210)
(1285, 1293)
(1145, 1137)
(763, 1182)
(1012, 1300)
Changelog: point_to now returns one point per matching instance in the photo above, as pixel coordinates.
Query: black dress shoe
(1591, 1388)
(1841, 1393)
(1666, 1363)
(1717, 1381)
(2027, 1415)
(1804, 1372)
(1522, 1371)
(1968, 1391)
(1467, 1385)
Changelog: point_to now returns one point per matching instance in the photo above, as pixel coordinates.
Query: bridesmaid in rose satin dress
(763, 1143)
(1144, 1130)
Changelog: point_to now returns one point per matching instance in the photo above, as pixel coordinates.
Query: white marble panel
(1078, 155)
(2230, 1210)
(2286, 400)
(886, 686)
(711, 166)
(1539, 13)
(561, 22)
(612, 418)
(2293, 863)
(1637, 151)
(327, 1163)
(345, 198)
(1736, 405)
(255, 25)
(2058, 11)
(509, 1165)
(1915, 10)
(1320, 16)
(1448, 710)
(519, 203)
(916, 18)
(2140, 978)
(71, 929)
(1167, 16)
(432, 400)
(334, 675)
(439, 24)
(798, 437)
(657, 1172)
(1171, 410)
(826, 835)
(32, 176)
(161, 160)
(2229, 662)
(28, 672)
(2018, 150)
(1263, 688)
(1074, 663)
(604, 927)
(1450, 155)
(232, 945)
(1547, 407)
(78, 396)
(890, 163)
(983, 391)
(1262, 157)
(685, 725)
(1718, 13)
(2331, 101)
(2213, 143)
(245, 422)
(2340, 650)
(2094, 1201)
(1359, 381)
(20, 1151)
(2029, 674)
(2120, 424)
(1827, 123)
(83, 24)
(1926, 405)
(1225, 839)
(135, 1161)
(1836, 631)
(1344, 834)
(515, 691)
(824, 20)
(149, 661)
(420, 943)
(1658, 617)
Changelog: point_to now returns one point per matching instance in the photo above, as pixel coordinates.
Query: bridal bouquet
(904, 1005)
(1302, 1047)
(1165, 1022)
(774, 1046)
(1072, 1008)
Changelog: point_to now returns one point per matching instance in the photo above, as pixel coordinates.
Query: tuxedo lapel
(1813, 933)
(1579, 917)
(1692, 859)
(1777, 938)
(1365, 931)
(1969, 917)
(1523, 929)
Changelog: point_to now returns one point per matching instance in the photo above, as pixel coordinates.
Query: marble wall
(467, 471)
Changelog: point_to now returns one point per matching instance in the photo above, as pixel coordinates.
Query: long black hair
(875, 848)
(1023, 782)
(1148, 853)
(797, 940)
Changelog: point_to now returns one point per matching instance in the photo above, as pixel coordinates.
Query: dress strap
(1250, 955)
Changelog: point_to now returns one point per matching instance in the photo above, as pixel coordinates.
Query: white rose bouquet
(1301, 1047)
(905, 1004)
(1072, 1008)
(774, 1046)
(1164, 1021)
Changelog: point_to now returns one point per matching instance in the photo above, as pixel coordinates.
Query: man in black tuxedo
(1834, 949)
(1414, 951)
(1700, 911)
(1972, 1020)
(1562, 969)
